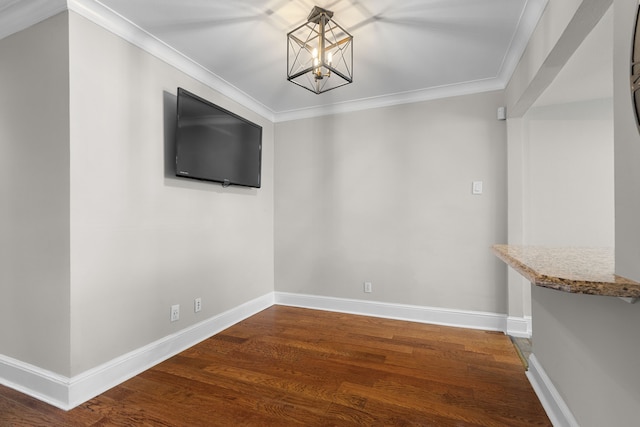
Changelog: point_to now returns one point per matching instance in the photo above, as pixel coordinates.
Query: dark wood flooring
(289, 366)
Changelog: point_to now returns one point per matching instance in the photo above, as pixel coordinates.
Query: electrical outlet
(197, 305)
(367, 287)
(175, 312)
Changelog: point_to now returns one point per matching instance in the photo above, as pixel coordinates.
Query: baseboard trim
(557, 410)
(413, 313)
(67, 393)
(519, 326)
(36, 382)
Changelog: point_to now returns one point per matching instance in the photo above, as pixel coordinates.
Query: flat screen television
(213, 144)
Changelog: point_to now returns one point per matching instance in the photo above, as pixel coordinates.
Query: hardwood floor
(289, 366)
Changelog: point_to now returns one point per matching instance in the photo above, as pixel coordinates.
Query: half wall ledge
(578, 270)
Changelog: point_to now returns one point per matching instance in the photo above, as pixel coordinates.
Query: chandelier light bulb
(312, 48)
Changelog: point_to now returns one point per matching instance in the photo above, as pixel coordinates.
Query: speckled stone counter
(573, 270)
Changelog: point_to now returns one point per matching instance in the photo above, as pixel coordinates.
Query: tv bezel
(225, 182)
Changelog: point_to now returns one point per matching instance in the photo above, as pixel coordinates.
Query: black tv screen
(213, 144)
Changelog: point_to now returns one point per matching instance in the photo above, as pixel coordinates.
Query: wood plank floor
(288, 366)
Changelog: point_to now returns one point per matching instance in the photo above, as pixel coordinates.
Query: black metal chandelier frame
(320, 53)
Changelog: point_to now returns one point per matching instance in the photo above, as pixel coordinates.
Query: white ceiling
(404, 50)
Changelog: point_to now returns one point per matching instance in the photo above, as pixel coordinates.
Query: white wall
(34, 195)
(384, 195)
(568, 183)
(141, 239)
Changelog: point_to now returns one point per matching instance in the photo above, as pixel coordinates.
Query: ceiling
(404, 51)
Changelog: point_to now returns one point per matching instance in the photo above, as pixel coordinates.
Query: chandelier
(320, 53)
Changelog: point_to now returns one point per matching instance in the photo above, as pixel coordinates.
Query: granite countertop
(573, 270)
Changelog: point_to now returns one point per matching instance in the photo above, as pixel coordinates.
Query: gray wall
(561, 181)
(141, 239)
(98, 238)
(588, 345)
(568, 174)
(384, 195)
(627, 148)
(34, 195)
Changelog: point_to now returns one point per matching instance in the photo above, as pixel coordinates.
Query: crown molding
(19, 14)
(529, 19)
(110, 20)
(429, 94)
(531, 14)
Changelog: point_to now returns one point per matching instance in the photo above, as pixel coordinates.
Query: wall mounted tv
(213, 144)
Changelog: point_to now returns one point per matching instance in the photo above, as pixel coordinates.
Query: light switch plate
(476, 188)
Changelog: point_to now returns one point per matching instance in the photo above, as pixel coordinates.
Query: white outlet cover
(175, 312)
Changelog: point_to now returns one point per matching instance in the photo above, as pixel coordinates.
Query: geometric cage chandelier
(320, 53)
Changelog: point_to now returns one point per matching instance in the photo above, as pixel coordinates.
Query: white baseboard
(413, 313)
(519, 326)
(556, 408)
(67, 393)
(36, 382)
